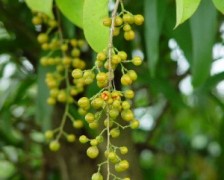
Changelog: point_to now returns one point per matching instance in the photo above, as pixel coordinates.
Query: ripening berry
(75, 52)
(101, 56)
(74, 42)
(122, 166)
(99, 139)
(137, 61)
(36, 20)
(66, 60)
(97, 176)
(133, 75)
(94, 142)
(54, 145)
(93, 125)
(114, 113)
(64, 47)
(138, 19)
(116, 95)
(77, 124)
(62, 97)
(101, 77)
(116, 59)
(83, 102)
(117, 104)
(129, 94)
(127, 27)
(134, 124)
(126, 80)
(105, 95)
(127, 178)
(89, 117)
(123, 150)
(70, 138)
(49, 134)
(83, 139)
(92, 152)
(97, 103)
(116, 31)
(52, 23)
(126, 105)
(42, 38)
(118, 21)
(51, 101)
(82, 111)
(123, 55)
(128, 18)
(112, 156)
(129, 35)
(115, 132)
(107, 21)
(127, 115)
(81, 43)
(45, 46)
(108, 122)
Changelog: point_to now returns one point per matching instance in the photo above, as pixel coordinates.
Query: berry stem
(111, 76)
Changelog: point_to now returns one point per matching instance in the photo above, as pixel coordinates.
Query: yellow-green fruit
(83, 102)
(75, 52)
(42, 38)
(51, 101)
(116, 59)
(138, 19)
(74, 42)
(137, 61)
(127, 27)
(52, 23)
(102, 76)
(126, 80)
(108, 122)
(115, 132)
(54, 145)
(92, 152)
(134, 124)
(97, 176)
(71, 138)
(123, 150)
(99, 139)
(116, 31)
(62, 96)
(128, 18)
(66, 60)
(133, 75)
(89, 117)
(107, 21)
(64, 47)
(113, 113)
(122, 166)
(93, 125)
(129, 35)
(49, 134)
(101, 56)
(127, 115)
(94, 142)
(97, 103)
(129, 94)
(36, 20)
(123, 55)
(112, 156)
(127, 178)
(78, 124)
(118, 21)
(83, 139)
(126, 105)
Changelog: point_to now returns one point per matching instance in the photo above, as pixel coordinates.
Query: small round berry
(93, 125)
(127, 27)
(75, 52)
(99, 139)
(118, 21)
(127, 115)
(83, 102)
(116, 59)
(70, 138)
(92, 152)
(123, 55)
(129, 94)
(114, 113)
(112, 156)
(97, 176)
(123, 150)
(49, 134)
(129, 35)
(101, 77)
(94, 142)
(126, 80)
(127, 178)
(54, 145)
(137, 61)
(101, 56)
(52, 23)
(115, 132)
(77, 124)
(74, 42)
(122, 166)
(51, 101)
(89, 117)
(126, 105)
(83, 139)
(138, 19)
(42, 38)
(116, 31)
(64, 47)
(107, 21)
(36, 20)
(128, 18)
(133, 75)
(108, 123)
(134, 124)
(97, 103)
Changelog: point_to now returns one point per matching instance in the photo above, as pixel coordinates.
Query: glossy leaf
(203, 35)
(44, 6)
(185, 9)
(219, 4)
(95, 32)
(154, 15)
(72, 9)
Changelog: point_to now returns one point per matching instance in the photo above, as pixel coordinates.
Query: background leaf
(154, 14)
(72, 9)
(44, 6)
(203, 35)
(219, 4)
(95, 32)
(185, 9)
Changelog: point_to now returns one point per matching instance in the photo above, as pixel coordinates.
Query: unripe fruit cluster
(125, 22)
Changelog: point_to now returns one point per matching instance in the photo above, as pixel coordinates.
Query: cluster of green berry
(124, 21)
(64, 55)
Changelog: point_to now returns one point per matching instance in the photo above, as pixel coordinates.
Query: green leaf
(154, 15)
(95, 32)
(203, 36)
(44, 6)
(219, 4)
(73, 10)
(185, 9)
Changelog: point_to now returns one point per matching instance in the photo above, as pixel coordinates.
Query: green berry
(92, 152)
(54, 145)
(83, 139)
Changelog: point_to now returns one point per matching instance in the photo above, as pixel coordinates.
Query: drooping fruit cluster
(109, 111)
(64, 55)
(124, 21)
